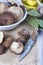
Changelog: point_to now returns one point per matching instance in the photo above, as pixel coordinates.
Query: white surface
(9, 27)
(40, 49)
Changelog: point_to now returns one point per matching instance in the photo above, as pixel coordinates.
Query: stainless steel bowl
(9, 27)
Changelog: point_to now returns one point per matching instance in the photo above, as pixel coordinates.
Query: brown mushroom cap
(17, 12)
(3, 7)
(7, 18)
(22, 40)
(24, 33)
(16, 47)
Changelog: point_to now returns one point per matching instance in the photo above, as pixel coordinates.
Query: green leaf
(33, 21)
(33, 13)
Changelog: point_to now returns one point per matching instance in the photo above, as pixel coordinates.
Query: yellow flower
(29, 7)
(30, 4)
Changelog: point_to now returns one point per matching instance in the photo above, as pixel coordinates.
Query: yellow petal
(31, 3)
(29, 7)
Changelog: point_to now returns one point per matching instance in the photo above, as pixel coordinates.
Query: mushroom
(16, 47)
(7, 18)
(22, 40)
(1, 37)
(23, 7)
(2, 49)
(3, 7)
(24, 33)
(7, 42)
(17, 11)
(12, 3)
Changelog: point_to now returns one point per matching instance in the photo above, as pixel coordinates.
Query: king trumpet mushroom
(16, 47)
(1, 37)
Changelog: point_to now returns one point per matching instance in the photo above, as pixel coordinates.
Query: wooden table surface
(11, 59)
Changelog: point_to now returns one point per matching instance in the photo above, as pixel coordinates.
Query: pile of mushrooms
(10, 14)
(18, 45)
(15, 45)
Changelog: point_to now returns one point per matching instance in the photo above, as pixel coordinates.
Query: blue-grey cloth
(27, 49)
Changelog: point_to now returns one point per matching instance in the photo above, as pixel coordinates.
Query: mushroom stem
(7, 42)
